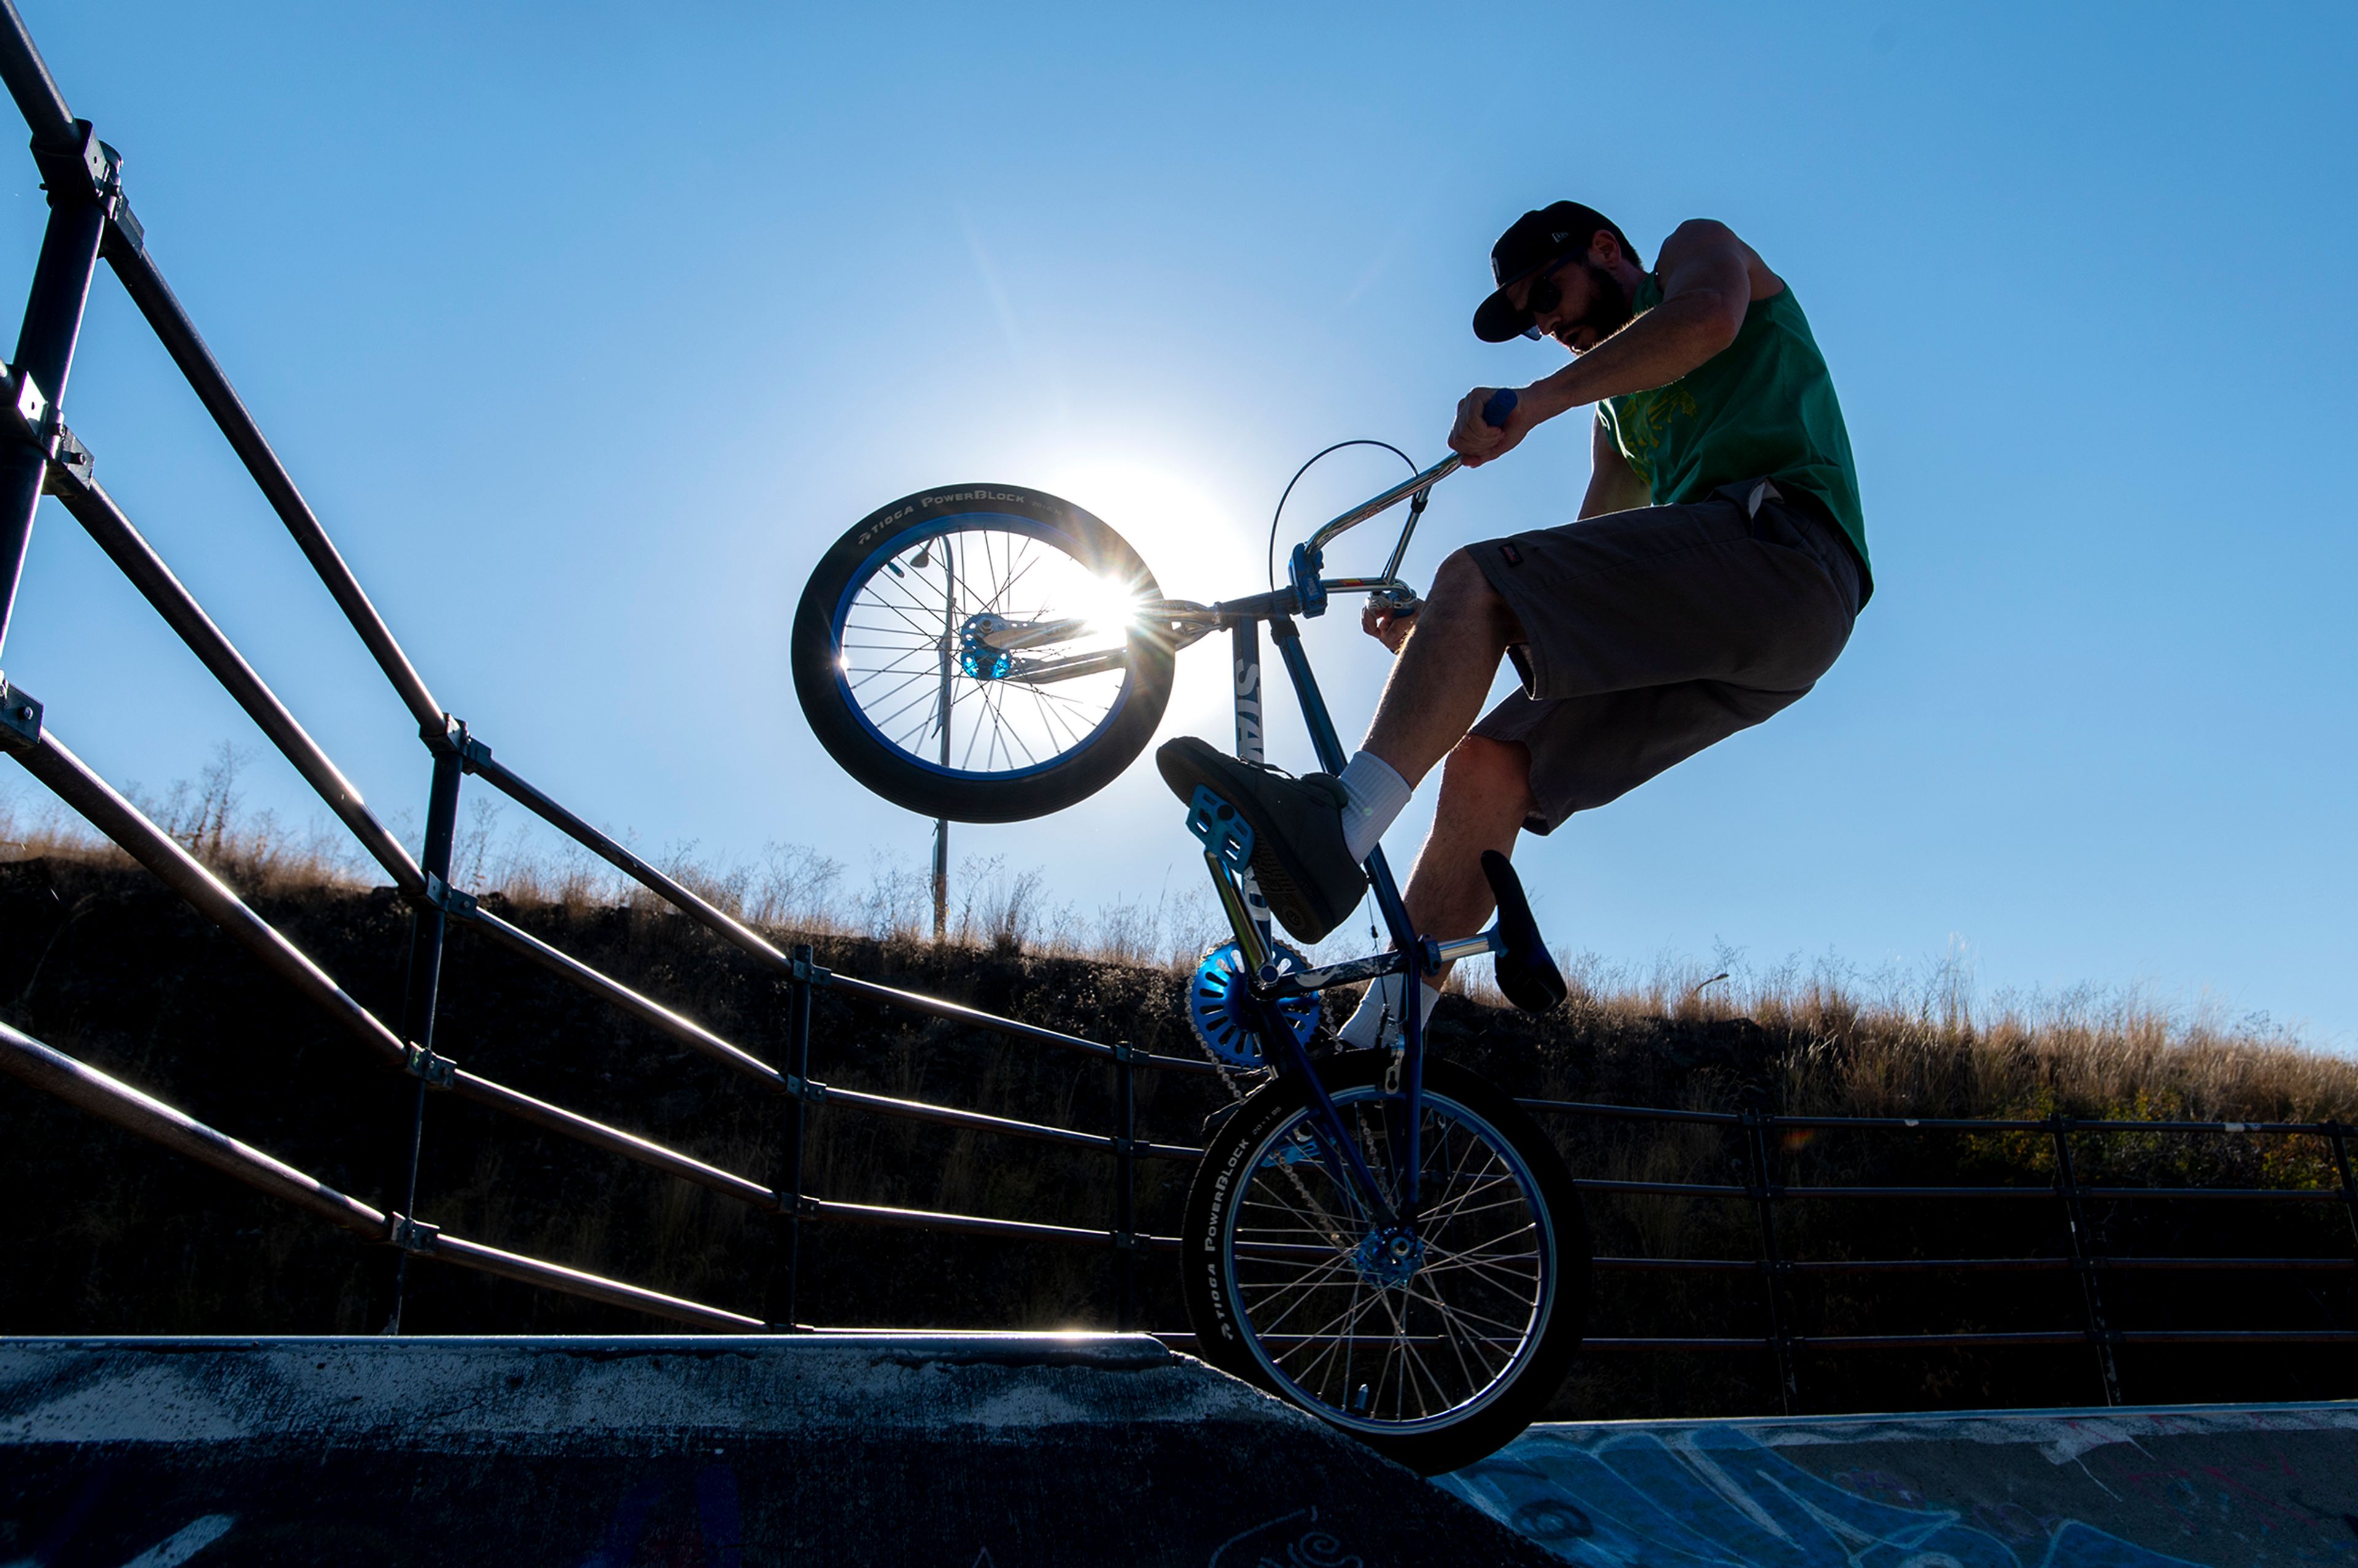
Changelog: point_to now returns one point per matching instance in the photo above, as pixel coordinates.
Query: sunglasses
(1545, 294)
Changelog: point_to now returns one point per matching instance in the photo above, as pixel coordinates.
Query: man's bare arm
(1613, 484)
(1709, 278)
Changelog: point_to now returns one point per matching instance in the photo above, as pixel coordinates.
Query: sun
(1109, 605)
(1189, 539)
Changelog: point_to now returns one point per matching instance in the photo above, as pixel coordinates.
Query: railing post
(798, 1017)
(2340, 1134)
(421, 996)
(1125, 1154)
(1772, 1268)
(2075, 1222)
(80, 179)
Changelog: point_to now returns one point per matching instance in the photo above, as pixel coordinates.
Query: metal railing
(2069, 1198)
(91, 220)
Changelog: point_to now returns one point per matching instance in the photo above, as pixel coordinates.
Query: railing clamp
(804, 1208)
(1124, 1052)
(1130, 1146)
(447, 899)
(414, 1235)
(421, 1062)
(810, 1091)
(71, 466)
(452, 737)
(87, 167)
(1126, 1241)
(30, 412)
(811, 973)
(21, 718)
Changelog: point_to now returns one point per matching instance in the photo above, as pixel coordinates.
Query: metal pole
(941, 877)
(798, 1015)
(1125, 1234)
(941, 723)
(2075, 1223)
(1772, 1268)
(91, 1090)
(72, 782)
(171, 324)
(2339, 1134)
(29, 81)
(76, 175)
(106, 523)
(86, 1087)
(427, 927)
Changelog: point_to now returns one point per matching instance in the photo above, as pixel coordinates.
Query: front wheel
(1434, 1349)
(979, 652)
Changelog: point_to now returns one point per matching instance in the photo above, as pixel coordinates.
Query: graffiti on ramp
(1717, 1498)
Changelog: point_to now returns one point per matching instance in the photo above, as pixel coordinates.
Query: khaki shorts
(1652, 633)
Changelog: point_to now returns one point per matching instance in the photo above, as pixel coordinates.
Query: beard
(1609, 305)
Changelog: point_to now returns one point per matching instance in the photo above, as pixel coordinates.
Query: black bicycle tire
(1220, 1341)
(883, 768)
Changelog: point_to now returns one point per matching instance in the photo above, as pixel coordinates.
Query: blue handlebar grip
(1496, 408)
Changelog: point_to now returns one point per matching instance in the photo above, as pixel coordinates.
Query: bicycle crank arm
(1516, 938)
(1349, 972)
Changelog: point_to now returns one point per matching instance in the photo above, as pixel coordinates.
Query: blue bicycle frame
(1412, 954)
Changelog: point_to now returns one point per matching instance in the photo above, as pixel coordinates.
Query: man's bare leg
(1486, 793)
(1444, 671)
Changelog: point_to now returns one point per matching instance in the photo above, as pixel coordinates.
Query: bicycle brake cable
(1280, 513)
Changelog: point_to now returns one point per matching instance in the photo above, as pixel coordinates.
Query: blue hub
(1219, 1009)
(1388, 1257)
(978, 658)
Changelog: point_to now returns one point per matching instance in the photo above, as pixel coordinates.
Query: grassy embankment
(109, 1233)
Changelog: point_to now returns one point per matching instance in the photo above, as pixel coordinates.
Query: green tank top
(1764, 405)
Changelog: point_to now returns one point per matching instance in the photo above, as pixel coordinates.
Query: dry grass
(1891, 1043)
(1710, 1035)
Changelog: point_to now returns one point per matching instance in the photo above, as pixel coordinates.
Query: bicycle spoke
(903, 621)
(1309, 1287)
(1450, 1317)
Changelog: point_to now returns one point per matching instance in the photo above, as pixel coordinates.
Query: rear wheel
(976, 653)
(1435, 1348)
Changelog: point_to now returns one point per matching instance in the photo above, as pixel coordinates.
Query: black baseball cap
(1558, 229)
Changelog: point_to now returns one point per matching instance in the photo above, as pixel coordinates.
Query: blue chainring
(1217, 1005)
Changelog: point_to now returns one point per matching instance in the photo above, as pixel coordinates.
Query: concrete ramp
(2232, 1486)
(966, 1451)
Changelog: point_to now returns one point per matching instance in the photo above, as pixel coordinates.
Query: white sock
(1381, 1005)
(1378, 797)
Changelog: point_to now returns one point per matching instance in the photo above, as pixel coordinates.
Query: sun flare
(1188, 539)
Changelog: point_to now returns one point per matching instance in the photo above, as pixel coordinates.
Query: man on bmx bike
(1717, 567)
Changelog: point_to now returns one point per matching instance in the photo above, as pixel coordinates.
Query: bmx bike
(1383, 1238)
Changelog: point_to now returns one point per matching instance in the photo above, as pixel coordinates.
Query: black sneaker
(1306, 873)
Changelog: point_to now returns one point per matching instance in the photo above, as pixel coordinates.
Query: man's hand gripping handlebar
(1390, 614)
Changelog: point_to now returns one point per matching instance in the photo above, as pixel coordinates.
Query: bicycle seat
(1524, 969)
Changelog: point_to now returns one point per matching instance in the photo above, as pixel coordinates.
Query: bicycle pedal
(1221, 828)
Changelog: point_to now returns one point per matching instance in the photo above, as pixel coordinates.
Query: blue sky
(587, 328)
